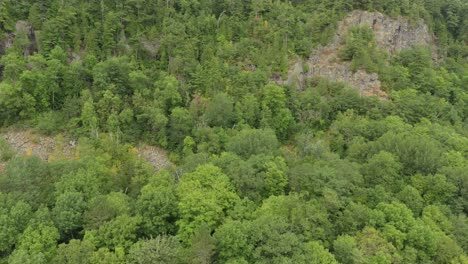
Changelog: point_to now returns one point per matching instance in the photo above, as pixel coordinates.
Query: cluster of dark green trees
(263, 173)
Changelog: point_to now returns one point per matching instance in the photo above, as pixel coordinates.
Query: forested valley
(267, 162)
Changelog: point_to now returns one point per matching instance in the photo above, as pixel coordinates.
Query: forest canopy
(259, 171)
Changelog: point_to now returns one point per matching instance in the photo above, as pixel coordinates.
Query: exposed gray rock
(7, 40)
(391, 34)
(155, 156)
(151, 46)
(26, 143)
(23, 26)
(296, 75)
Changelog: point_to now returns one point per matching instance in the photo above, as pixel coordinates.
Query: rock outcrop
(26, 28)
(21, 27)
(7, 40)
(391, 34)
(27, 143)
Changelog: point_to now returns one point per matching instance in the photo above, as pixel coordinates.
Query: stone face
(7, 39)
(21, 26)
(5, 42)
(151, 46)
(391, 35)
(325, 63)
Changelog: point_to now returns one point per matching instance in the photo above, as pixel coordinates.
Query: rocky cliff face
(6, 41)
(391, 35)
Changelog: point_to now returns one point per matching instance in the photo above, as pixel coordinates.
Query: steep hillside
(391, 35)
(229, 131)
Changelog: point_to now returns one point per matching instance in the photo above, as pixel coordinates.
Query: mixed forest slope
(259, 131)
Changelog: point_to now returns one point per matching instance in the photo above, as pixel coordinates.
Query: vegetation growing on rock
(261, 170)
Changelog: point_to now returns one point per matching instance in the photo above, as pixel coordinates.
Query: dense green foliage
(262, 173)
